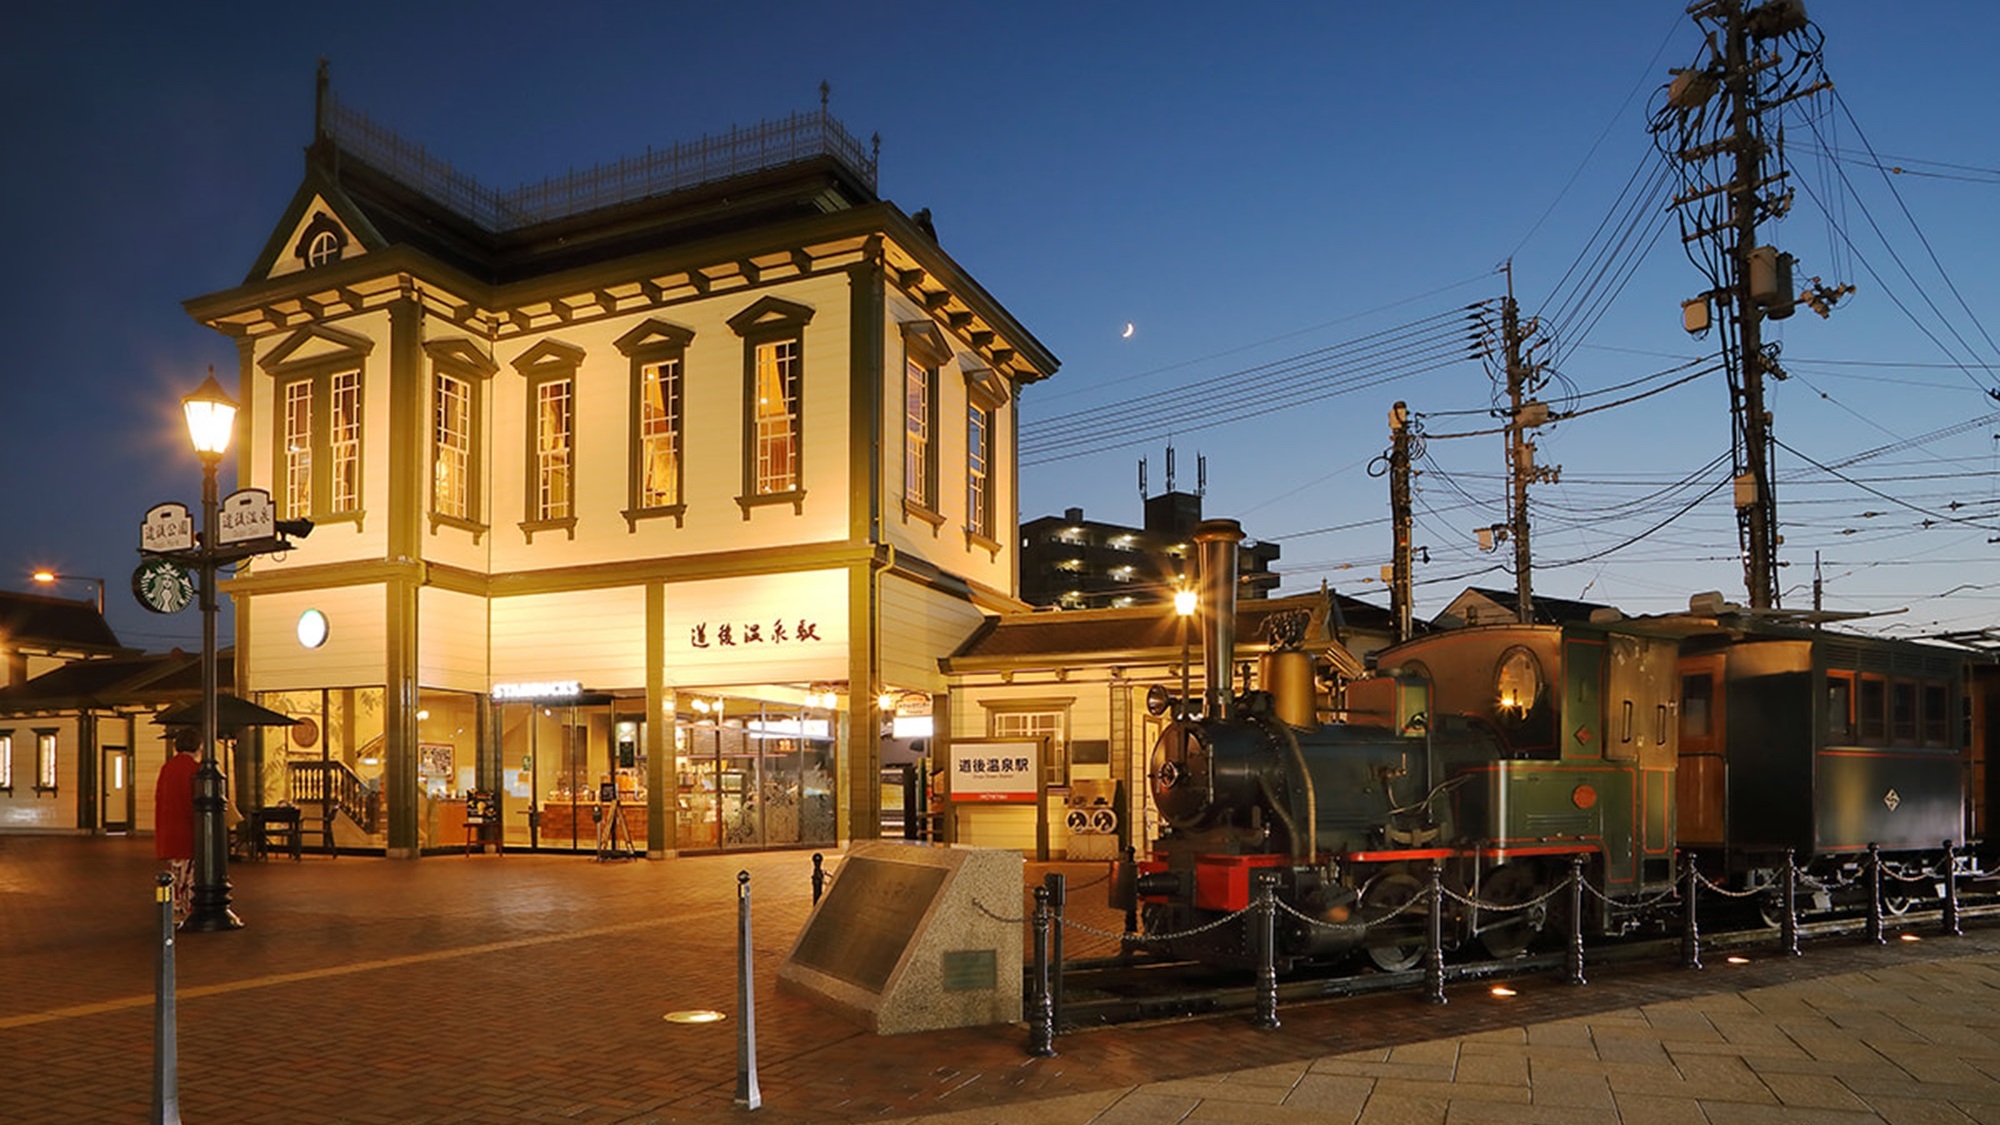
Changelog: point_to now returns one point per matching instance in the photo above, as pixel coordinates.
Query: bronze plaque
(868, 918)
(970, 970)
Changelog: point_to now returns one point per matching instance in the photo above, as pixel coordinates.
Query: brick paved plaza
(532, 988)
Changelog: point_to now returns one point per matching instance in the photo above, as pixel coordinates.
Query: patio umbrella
(231, 713)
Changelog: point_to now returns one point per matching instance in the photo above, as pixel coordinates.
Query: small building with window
(49, 766)
(1074, 563)
(634, 492)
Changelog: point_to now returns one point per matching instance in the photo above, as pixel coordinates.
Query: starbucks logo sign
(162, 586)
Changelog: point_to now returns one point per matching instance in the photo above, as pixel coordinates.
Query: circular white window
(312, 628)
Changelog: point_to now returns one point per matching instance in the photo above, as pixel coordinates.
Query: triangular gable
(654, 333)
(316, 343)
(319, 204)
(768, 312)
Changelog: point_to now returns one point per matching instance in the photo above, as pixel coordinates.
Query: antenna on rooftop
(1201, 474)
(1170, 468)
(825, 91)
(1142, 479)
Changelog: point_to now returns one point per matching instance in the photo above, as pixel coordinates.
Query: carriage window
(1937, 717)
(1902, 711)
(1839, 708)
(1872, 704)
(1697, 705)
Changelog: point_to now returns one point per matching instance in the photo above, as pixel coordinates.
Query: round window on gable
(325, 248)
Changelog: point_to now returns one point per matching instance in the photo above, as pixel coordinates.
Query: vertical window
(1871, 700)
(550, 478)
(1902, 711)
(658, 351)
(978, 465)
(773, 331)
(777, 414)
(660, 434)
(919, 394)
(451, 446)
(345, 441)
(553, 433)
(45, 760)
(1697, 705)
(459, 371)
(1049, 724)
(7, 761)
(298, 447)
(1936, 713)
(1839, 708)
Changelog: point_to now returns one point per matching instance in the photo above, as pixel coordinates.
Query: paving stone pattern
(531, 988)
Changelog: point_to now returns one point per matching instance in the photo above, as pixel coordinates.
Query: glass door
(117, 804)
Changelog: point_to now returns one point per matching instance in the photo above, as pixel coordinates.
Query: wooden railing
(336, 786)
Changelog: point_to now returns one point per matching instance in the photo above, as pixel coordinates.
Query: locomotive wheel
(1398, 944)
(1507, 934)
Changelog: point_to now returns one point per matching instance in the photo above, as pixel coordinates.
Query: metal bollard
(1267, 952)
(166, 1053)
(1788, 922)
(1690, 928)
(1573, 964)
(1875, 895)
(1042, 1011)
(1131, 909)
(1951, 925)
(1058, 886)
(1434, 938)
(819, 877)
(747, 1094)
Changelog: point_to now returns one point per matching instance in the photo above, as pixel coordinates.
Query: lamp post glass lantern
(211, 421)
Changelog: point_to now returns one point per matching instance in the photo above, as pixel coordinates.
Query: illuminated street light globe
(211, 418)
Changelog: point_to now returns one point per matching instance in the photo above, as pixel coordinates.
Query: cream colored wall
(919, 624)
(597, 637)
(25, 810)
(818, 598)
(451, 640)
(945, 544)
(353, 655)
(714, 420)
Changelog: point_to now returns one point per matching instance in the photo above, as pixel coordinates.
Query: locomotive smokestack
(1215, 544)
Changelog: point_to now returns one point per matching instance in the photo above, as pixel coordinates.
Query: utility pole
(1751, 283)
(1523, 414)
(1400, 519)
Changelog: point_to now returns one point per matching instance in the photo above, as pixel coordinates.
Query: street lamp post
(211, 420)
(1184, 606)
(46, 577)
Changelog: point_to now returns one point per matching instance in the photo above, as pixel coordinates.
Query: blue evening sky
(1255, 188)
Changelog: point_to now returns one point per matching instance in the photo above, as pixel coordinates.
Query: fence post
(1690, 928)
(1951, 925)
(1573, 963)
(1041, 1012)
(1267, 951)
(747, 1094)
(1788, 922)
(1875, 895)
(166, 1054)
(1434, 938)
(1058, 885)
(819, 877)
(1132, 906)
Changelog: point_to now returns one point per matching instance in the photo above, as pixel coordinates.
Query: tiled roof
(144, 680)
(59, 624)
(1108, 634)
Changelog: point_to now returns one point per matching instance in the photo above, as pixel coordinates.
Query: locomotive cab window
(1517, 683)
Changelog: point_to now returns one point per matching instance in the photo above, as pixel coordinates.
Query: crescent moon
(1127, 334)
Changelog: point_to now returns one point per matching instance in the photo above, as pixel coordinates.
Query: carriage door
(117, 803)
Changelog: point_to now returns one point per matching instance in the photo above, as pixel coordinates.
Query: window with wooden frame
(45, 761)
(550, 368)
(1035, 719)
(1903, 712)
(985, 394)
(773, 332)
(658, 352)
(459, 371)
(1935, 703)
(317, 437)
(924, 352)
(1871, 710)
(1839, 707)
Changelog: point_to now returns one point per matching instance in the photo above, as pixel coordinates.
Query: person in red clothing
(173, 817)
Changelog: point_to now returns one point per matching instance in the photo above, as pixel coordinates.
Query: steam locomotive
(1504, 753)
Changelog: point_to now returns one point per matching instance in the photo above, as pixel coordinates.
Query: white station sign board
(167, 527)
(245, 514)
